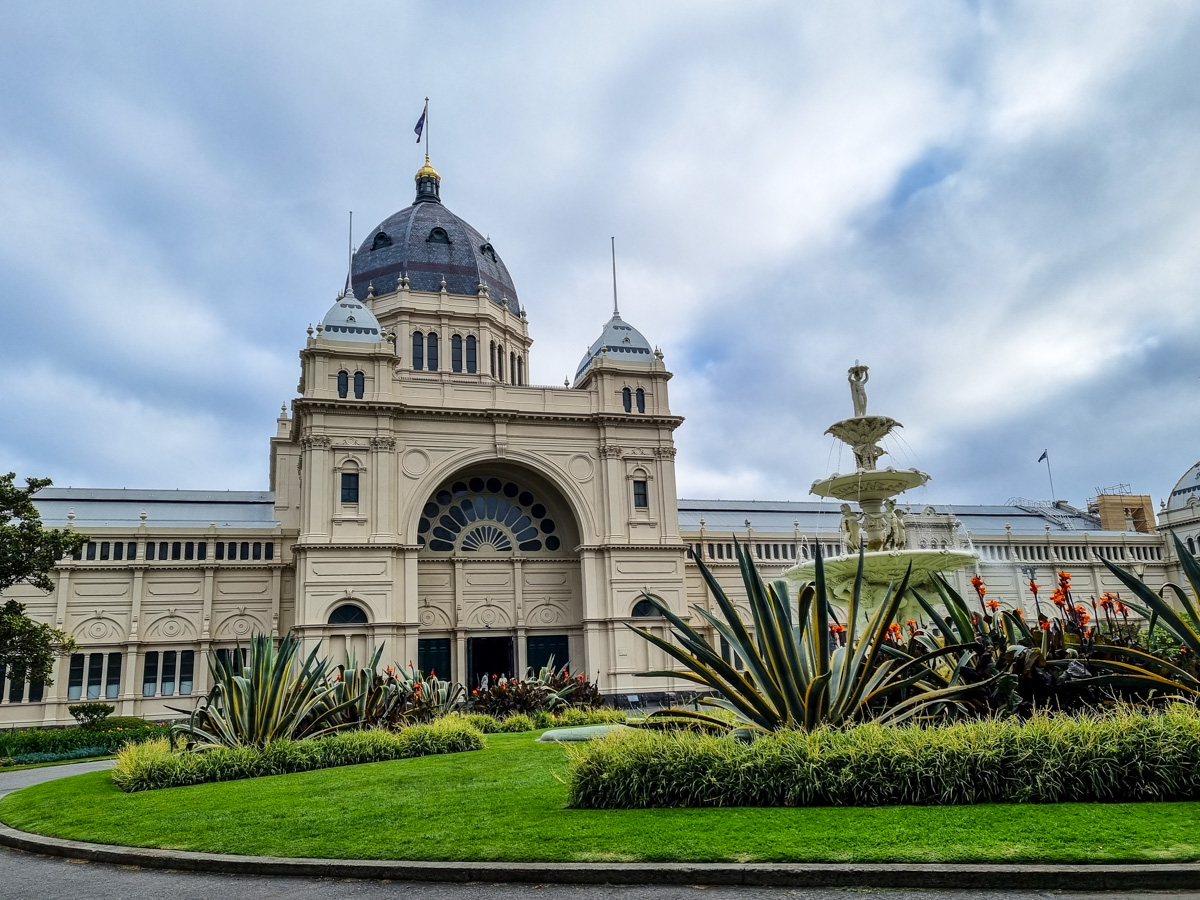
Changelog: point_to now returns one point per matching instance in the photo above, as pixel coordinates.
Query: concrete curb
(1039, 876)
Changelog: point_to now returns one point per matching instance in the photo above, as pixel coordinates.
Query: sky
(996, 206)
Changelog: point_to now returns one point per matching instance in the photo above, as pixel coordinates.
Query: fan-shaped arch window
(438, 236)
(644, 609)
(431, 359)
(343, 383)
(641, 400)
(381, 240)
(456, 348)
(627, 399)
(418, 346)
(360, 384)
(348, 614)
(471, 355)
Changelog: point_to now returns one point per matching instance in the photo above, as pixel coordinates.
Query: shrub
(25, 759)
(547, 690)
(89, 715)
(108, 736)
(1127, 754)
(153, 765)
(564, 718)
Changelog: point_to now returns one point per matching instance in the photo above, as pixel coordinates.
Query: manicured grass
(505, 803)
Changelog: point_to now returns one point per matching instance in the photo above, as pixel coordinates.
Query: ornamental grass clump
(155, 765)
(1126, 754)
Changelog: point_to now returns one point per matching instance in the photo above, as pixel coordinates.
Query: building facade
(425, 496)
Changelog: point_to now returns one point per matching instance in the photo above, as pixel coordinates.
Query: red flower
(1045, 626)
(993, 605)
(1019, 613)
(1034, 587)
(977, 583)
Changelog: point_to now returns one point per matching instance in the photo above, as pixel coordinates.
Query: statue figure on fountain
(849, 528)
(858, 376)
(896, 537)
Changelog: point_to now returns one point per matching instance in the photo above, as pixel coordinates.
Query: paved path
(25, 876)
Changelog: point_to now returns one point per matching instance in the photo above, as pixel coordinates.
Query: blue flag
(1045, 453)
(421, 121)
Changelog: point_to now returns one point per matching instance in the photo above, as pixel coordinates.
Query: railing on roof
(1044, 508)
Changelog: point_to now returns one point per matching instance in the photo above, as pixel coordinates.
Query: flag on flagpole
(421, 122)
(1045, 453)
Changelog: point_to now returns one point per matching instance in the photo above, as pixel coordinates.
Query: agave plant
(275, 695)
(798, 673)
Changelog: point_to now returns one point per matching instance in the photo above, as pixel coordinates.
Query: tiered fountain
(879, 524)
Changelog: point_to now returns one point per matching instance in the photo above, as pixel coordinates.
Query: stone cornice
(398, 410)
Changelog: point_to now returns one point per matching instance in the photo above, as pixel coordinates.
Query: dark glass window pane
(119, 550)
(343, 384)
(471, 353)
(131, 550)
(360, 385)
(75, 679)
(36, 691)
(348, 614)
(16, 690)
(104, 549)
(418, 347)
(150, 550)
(95, 674)
(202, 550)
(641, 400)
(270, 549)
(641, 498)
(245, 554)
(349, 487)
(189, 549)
(162, 549)
(176, 549)
(233, 550)
(187, 663)
(456, 353)
(150, 674)
(91, 550)
(112, 677)
(433, 352)
(168, 673)
(644, 609)
(627, 399)
(220, 549)
(257, 550)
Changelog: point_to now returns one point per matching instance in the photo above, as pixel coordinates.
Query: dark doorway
(433, 656)
(490, 656)
(544, 647)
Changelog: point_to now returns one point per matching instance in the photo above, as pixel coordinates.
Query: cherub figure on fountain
(849, 528)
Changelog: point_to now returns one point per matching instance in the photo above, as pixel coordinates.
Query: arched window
(500, 363)
(644, 609)
(471, 363)
(360, 382)
(438, 236)
(456, 353)
(512, 367)
(343, 383)
(492, 358)
(1191, 546)
(626, 399)
(641, 400)
(348, 614)
(432, 360)
(418, 351)
(520, 370)
(381, 240)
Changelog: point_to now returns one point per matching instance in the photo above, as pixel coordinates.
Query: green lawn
(505, 803)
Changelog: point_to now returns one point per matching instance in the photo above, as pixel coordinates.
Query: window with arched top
(520, 370)
(348, 614)
(471, 354)
(360, 384)
(1191, 544)
(431, 360)
(381, 240)
(627, 399)
(343, 383)
(512, 367)
(644, 609)
(641, 400)
(456, 348)
(492, 358)
(438, 236)
(500, 363)
(418, 347)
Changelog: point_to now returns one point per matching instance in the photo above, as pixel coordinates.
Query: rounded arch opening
(645, 609)
(348, 614)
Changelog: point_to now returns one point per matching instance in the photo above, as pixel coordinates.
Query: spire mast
(350, 252)
(616, 311)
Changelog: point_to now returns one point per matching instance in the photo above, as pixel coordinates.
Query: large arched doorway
(498, 579)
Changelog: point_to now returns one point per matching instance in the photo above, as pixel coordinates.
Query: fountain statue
(879, 528)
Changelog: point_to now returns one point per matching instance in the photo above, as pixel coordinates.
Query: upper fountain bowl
(869, 484)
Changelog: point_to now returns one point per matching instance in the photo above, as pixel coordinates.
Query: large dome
(1185, 489)
(429, 243)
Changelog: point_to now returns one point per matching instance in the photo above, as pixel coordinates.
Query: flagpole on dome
(422, 129)
(616, 311)
(1046, 456)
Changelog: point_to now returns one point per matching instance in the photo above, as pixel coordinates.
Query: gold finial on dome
(427, 171)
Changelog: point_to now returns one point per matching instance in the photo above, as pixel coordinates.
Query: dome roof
(619, 341)
(429, 243)
(349, 320)
(1185, 489)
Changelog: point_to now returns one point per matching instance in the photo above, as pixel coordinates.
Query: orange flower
(1045, 626)
(1019, 613)
(894, 631)
(1034, 587)
(837, 629)
(977, 583)
(1084, 618)
(993, 605)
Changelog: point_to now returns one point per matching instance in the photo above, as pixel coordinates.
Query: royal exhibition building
(424, 496)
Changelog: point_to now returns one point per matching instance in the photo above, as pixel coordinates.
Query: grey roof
(402, 244)
(814, 517)
(122, 508)
(620, 341)
(349, 320)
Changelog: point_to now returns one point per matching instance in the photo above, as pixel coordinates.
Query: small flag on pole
(421, 122)
(1045, 453)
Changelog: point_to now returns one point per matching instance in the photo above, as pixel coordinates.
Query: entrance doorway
(546, 649)
(490, 656)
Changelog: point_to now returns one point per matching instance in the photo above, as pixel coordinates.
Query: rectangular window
(16, 690)
(187, 662)
(711, 553)
(131, 550)
(150, 674)
(641, 496)
(176, 550)
(91, 550)
(95, 675)
(162, 549)
(189, 550)
(36, 690)
(257, 550)
(202, 550)
(270, 549)
(149, 549)
(245, 550)
(168, 673)
(349, 487)
(112, 679)
(75, 679)
(720, 551)
(119, 550)
(220, 549)
(758, 550)
(105, 546)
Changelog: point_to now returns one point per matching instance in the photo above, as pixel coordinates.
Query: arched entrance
(499, 587)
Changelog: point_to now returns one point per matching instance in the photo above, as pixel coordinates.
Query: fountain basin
(881, 569)
(869, 484)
